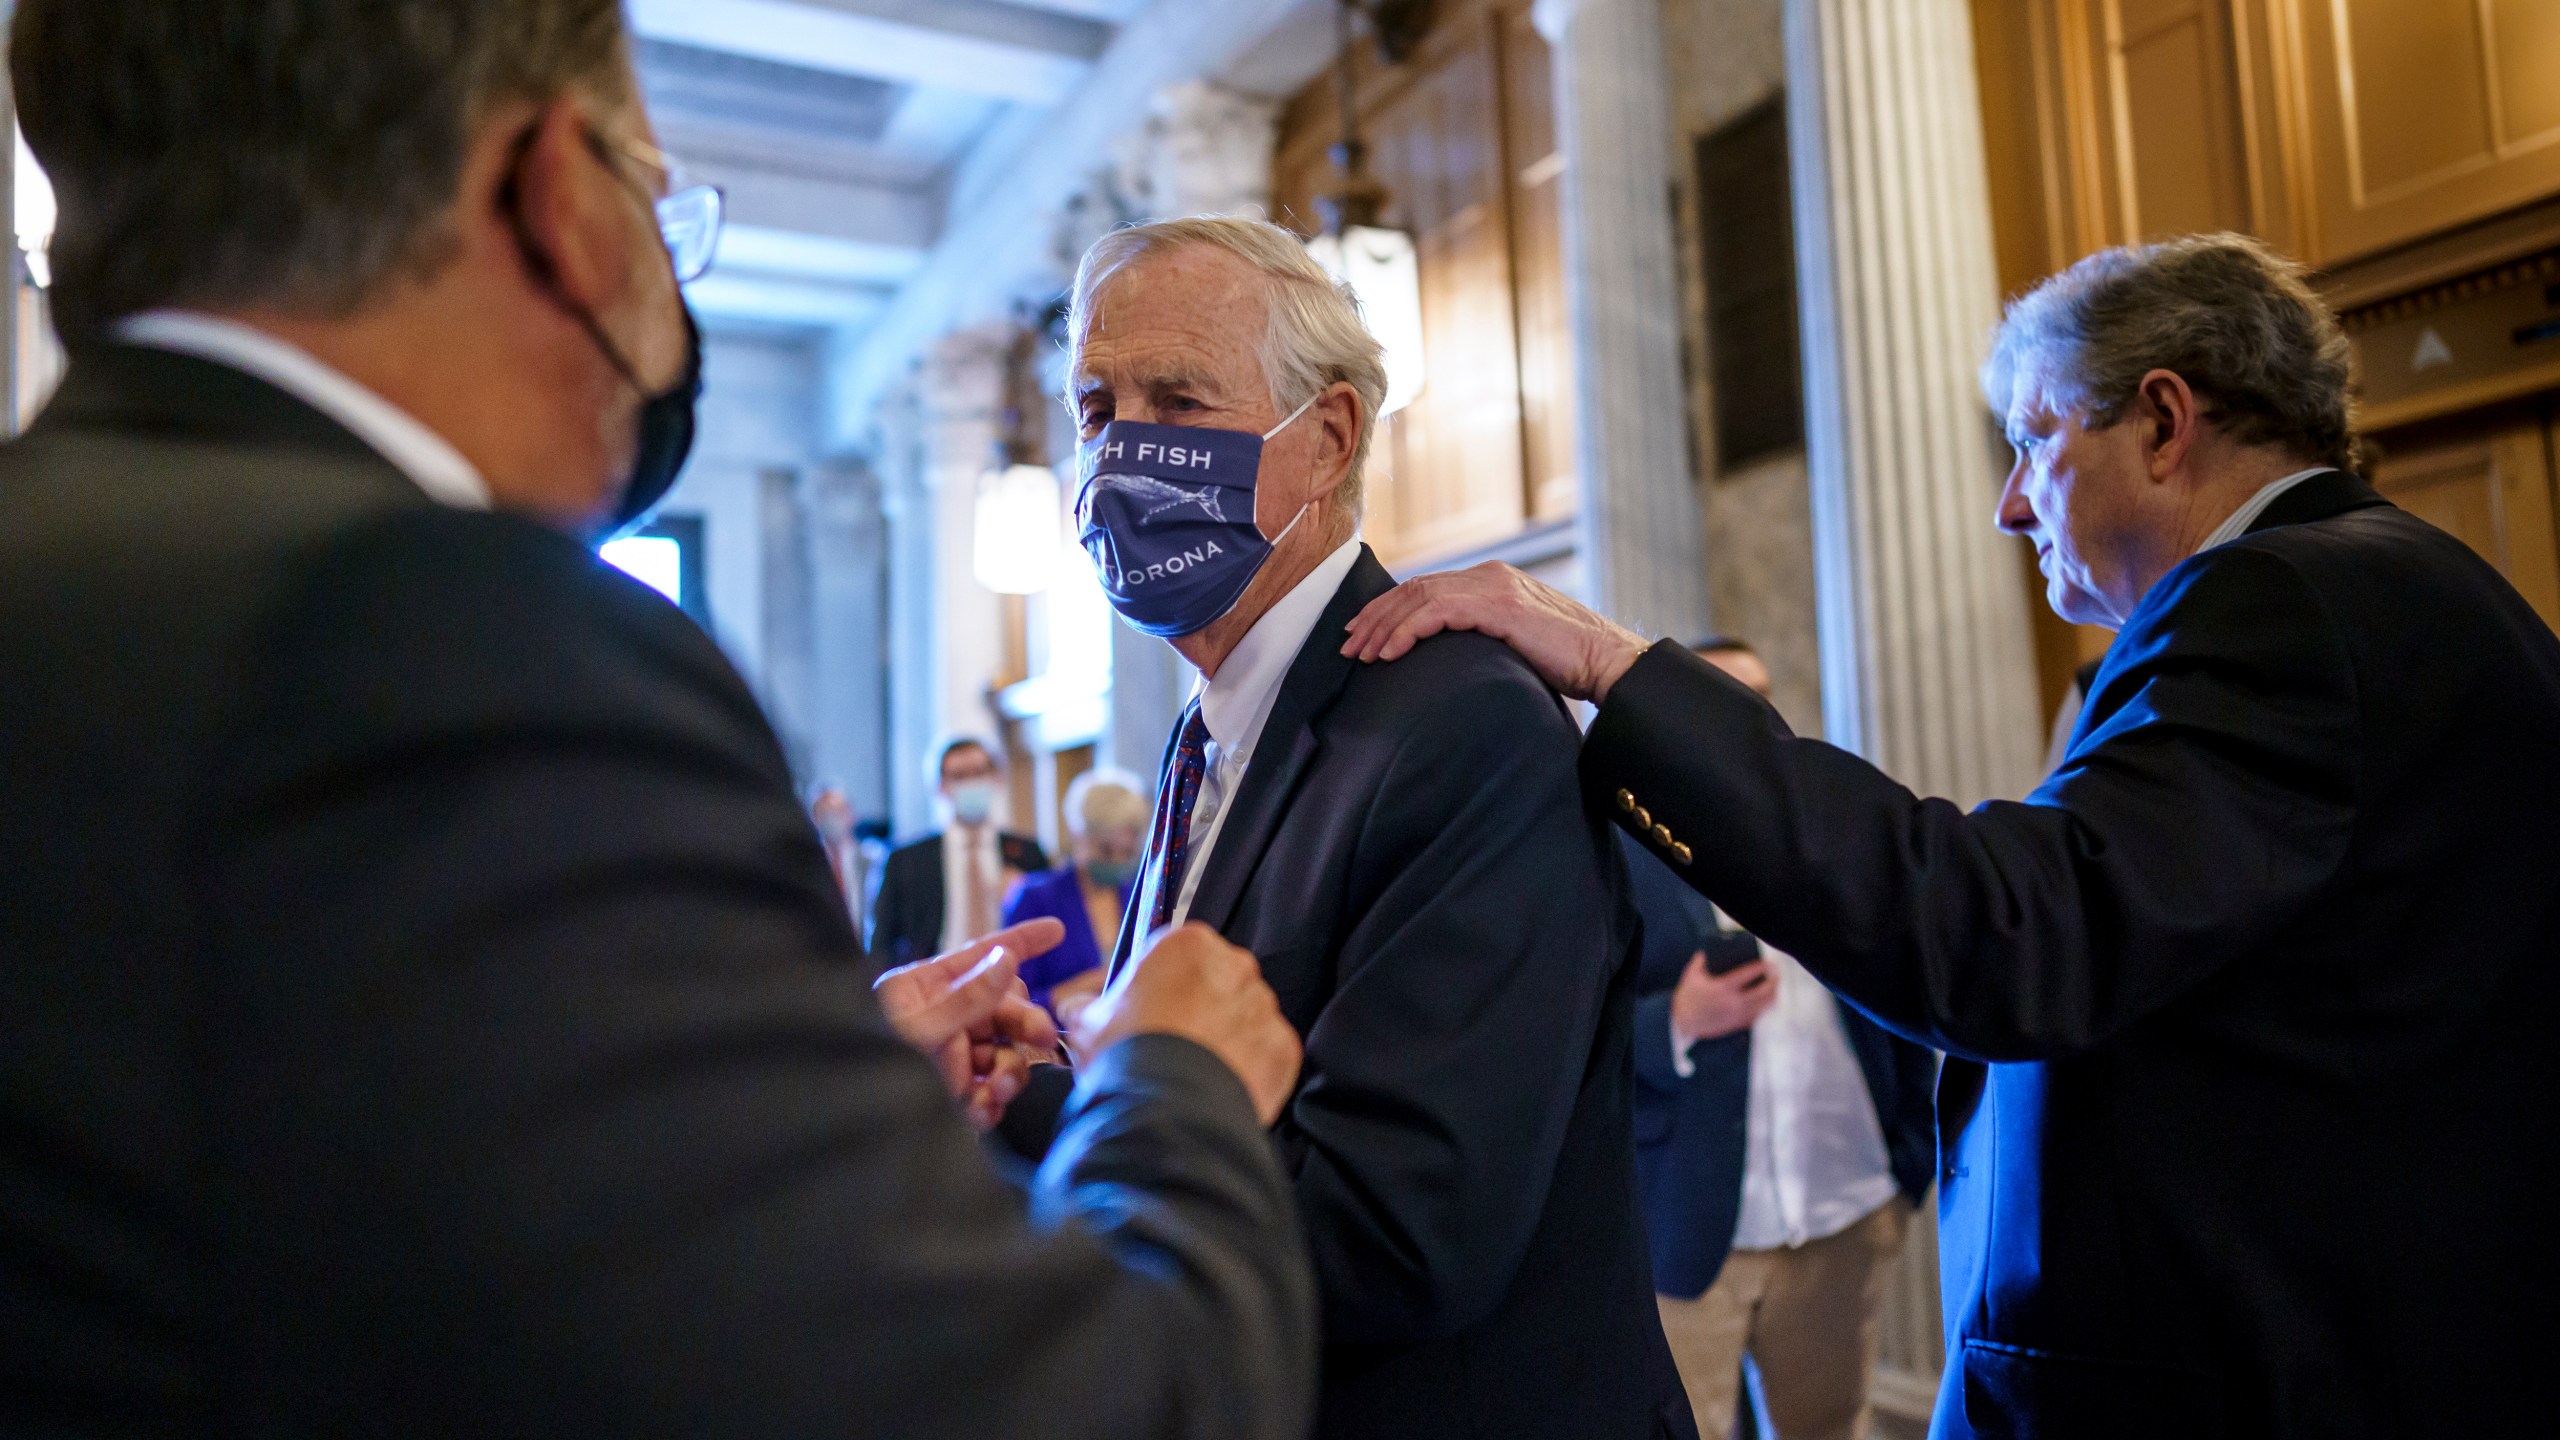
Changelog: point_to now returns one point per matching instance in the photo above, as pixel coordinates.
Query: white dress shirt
(2247, 515)
(1813, 1156)
(961, 848)
(416, 451)
(1236, 704)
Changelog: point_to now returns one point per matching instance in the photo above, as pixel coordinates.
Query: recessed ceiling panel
(685, 83)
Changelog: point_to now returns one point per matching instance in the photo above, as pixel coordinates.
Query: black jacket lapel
(2332, 493)
(1287, 747)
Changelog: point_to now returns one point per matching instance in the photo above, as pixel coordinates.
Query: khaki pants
(1807, 1317)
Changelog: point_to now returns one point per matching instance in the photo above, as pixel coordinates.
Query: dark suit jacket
(1690, 1131)
(2253, 996)
(425, 1011)
(906, 916)
(1445, 922)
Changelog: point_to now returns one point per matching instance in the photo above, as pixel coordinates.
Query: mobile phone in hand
(1729, 951)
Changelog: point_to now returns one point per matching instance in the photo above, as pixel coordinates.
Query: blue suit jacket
(2251, 1001)
(1690, 1132)
(1445, 921)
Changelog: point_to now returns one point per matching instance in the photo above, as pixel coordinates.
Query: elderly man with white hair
(1406, 850)
(2248, 1007)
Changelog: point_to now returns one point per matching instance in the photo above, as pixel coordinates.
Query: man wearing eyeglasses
(423, 1004)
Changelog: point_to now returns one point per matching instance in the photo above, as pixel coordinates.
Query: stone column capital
(1208, 151)
(963, 374)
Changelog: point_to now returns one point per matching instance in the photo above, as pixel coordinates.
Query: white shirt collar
(2247, 515)
(1236, 703)
(418, 452)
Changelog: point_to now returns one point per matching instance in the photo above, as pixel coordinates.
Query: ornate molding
(2531, 270)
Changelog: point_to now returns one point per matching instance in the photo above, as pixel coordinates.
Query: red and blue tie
(1171, 844)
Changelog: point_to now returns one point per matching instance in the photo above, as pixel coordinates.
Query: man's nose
(2014, 514)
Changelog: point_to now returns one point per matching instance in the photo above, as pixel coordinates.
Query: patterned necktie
(1172, 841)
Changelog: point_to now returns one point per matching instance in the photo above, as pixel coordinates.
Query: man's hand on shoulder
(1193, 984)
(1575, 650)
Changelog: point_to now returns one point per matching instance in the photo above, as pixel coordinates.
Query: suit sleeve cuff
(1161, 1065)
(1661, 1060)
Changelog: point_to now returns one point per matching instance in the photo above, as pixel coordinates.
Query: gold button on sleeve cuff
(1681, 854)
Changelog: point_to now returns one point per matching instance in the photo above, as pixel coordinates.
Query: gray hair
(294, 154)
(1106, 800)
(1314, 339)
(2232, 318)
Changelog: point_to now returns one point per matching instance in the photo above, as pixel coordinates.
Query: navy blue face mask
(1167, 515)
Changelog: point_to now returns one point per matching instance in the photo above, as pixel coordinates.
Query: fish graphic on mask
(1163, 497)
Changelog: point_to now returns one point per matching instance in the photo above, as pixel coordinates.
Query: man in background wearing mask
(1406, 850)
(939, 891)
(424, 1008)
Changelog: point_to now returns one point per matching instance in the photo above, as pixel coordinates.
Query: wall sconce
(1020, 528)
(1381, 268)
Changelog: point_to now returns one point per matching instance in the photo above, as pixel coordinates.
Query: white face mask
(974, 803)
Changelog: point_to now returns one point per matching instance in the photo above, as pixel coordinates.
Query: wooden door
(2494, 493)
(2426, 114)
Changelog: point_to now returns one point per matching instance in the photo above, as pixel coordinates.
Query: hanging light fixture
(1377, 261)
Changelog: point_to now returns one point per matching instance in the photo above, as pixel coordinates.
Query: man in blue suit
(1782, 1141)
(2248, 1006)
(1406, 851)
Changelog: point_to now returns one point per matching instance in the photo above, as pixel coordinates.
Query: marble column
(789, 611)
(965, 396)
(914, 682)
(848, 552)
(1927, 665)
(1643, 548)
(1207, 151)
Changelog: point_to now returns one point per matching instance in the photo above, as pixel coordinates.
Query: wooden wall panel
(2494, 493)
(2525, 38)
(2426, 114)
(1537, 244)
(1459, 480)
(2172, 92)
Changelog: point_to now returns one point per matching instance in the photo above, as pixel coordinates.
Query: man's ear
(564, 203)
(1339, 416)
(2170, 414)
